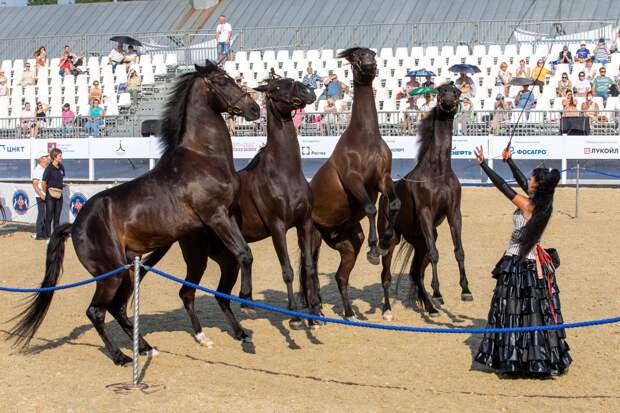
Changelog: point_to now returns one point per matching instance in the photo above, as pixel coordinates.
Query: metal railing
(80, 127)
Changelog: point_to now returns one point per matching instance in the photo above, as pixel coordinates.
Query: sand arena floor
(337, 368)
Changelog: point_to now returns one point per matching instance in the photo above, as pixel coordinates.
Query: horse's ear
(261, 88)
(345, 54)
(207, 68)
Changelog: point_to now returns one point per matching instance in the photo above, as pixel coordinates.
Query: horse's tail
(403, 256)
(303, 293)
(153, 258)
(32, 316)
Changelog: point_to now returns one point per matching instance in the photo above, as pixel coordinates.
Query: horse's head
(363, 63)
(448, 97)
(226, 95)
(286, 94)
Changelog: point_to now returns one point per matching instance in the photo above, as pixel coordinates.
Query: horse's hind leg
(386, 281)
(305, 234)
(194, 249)
(348, 245)
(454, 220)
(418, 266)
(390, 206)
(315, 245)
(229, 272)
(430, 236)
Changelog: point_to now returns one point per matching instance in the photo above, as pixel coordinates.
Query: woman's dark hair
(54, 153)
(531, 233)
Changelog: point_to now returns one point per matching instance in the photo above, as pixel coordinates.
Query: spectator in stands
(28, 119)
(591, 109)
(569, 105)
(334, 88)
(311, 78)
(131, 57)
(601, 53)
(66, 65)
(540, 73)
(500, 113)
(564, 85)
(40, 115)
(223, 35)
(298, 118)
(116, 56)
(28, 77)
(2, 75)
(523, 70)
(601, 84)
(525, 100)
(426, 106)
(95, 118)
(4, 89)
(615, 43)
(590, 71)
(329, 122)
(409, 86)
(464, 116)
(68, 117)
(53, 184)
(133, 81)
(582, 86)
(37, 181)
(230, 124)
(411, 115)
(503, 78)
(428, 82)
(565, 56)
(614, 89)
(40, 56)
(466, 85)
(582, 54)
(95, 92)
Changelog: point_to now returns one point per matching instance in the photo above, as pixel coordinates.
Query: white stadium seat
(159, 59)
(461, 51)
(479, 50)
(171, 59)
(401, 53)
(282, 56)
(495, 50)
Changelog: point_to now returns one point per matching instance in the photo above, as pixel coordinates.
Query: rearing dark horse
(429, 193)
(194, 184)
(273, 197)
(346, 187)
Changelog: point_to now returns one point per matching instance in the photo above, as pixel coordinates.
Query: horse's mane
(254, 162)
(426, 131)
(173, 119)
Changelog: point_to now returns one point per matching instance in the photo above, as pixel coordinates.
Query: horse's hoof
(438, 300)
(203, 340)
(152, 353)
(387, 315)
(350, 318)
(246, 339)
(249, 311)
(373, 258)
(383, 252)
(467, 297)
(296, 324)
(121, 359)
(434, 313)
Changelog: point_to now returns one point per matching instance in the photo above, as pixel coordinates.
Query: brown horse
(194, 184)
(346, 187)
(273, 197)
(430, 193)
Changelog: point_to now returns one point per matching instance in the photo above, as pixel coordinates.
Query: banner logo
(20, 202)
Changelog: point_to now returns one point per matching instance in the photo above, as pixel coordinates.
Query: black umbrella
(464, 68)
(524, 81)
(126, 40)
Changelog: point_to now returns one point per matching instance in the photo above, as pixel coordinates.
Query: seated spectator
(464, 116)
(582, 86)
(131, 57)
(591, 109)
(564, 85)
(569, 106)
(601, 84)
(40, 56)
(428, 82)
(116, 56)
(66, 65)
(582, 54)
(590, 71)
(565, 56)
(540, 73)
(334, 88)
(94, 92)
(95, 119)
(133, 81)
(522, 70)
(311, 78)
(28, 120)
(503, 78)
(409, 86)
(525, 100)
(40, 114)
(600, 54)
(4, 89)
(426, 106)
(28, 77)
(68, 118)
(466, 85)
(500, 113)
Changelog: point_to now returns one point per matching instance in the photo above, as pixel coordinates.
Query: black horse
(273, 197)
(193, 185)
(429, 193)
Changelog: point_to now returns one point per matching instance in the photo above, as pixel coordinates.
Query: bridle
(294, 102)
(231, 107)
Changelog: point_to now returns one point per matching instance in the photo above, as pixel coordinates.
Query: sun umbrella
(424, 90)
(524, 81)
(126, 40)
(421, 73)
(464, 68)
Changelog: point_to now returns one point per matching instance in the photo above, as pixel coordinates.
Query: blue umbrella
(464, 68)
(420, 73)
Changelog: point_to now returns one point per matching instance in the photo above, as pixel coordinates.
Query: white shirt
(582, 87)
(37, 173)
(116, 56)
(224, 30)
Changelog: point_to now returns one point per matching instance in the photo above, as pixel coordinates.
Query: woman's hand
(506, 154)
(479, 154)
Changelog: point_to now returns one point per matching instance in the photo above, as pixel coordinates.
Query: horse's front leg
(455, 222)
(355, 185)
(386, 187)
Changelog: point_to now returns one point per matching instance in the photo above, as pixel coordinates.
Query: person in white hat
(37, 176)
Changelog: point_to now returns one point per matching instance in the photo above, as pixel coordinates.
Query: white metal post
(577, 193)
(136, 320)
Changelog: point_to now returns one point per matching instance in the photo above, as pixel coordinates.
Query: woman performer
(526, 293)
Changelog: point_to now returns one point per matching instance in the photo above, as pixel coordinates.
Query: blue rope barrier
(381, 326)
(65, 286)
(597, 172)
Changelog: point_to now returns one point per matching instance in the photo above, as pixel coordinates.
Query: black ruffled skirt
(521, 299)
